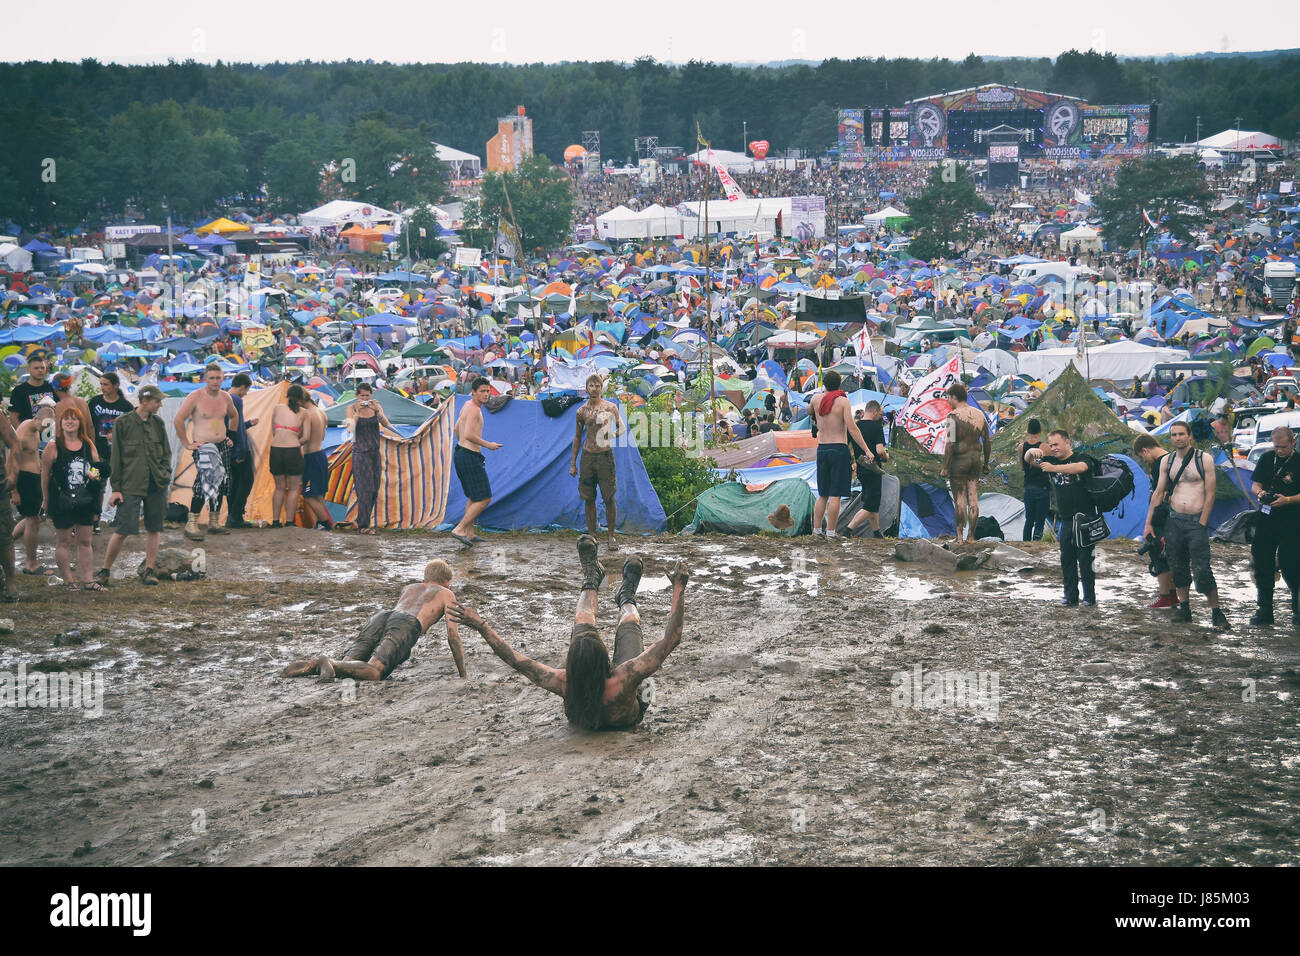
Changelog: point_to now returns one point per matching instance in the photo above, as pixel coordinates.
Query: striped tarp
(415, 474)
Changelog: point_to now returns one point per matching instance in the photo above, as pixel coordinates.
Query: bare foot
(300, 668)
(326, 668)
(679, 575)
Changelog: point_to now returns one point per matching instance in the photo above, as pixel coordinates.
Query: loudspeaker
(884, 127)
(1151, 131)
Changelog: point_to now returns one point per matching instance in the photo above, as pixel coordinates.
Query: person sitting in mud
(388, 637)
(598, 694)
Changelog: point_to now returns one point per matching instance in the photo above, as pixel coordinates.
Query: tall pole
(708, 285)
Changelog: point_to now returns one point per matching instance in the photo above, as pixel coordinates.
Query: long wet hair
(585, 671)
(297, 396)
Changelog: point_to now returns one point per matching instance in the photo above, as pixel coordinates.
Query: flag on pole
(925, 414)
(1149, 221)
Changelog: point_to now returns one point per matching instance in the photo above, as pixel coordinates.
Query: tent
(1239, 140)
(15, 257)
(729, 508)
(400, 410)
(619, 223)
(221, 227)
(1119, 362)
(1085, 238)
(340, 212)
(531, 484)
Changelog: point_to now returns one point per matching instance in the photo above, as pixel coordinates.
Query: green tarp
(730, 509)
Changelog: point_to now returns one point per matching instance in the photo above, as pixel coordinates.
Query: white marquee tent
(342, 212)
(1120, 361)
(1239, 140)
(15, 257)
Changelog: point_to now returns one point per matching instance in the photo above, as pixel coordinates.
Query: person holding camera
(1068, 471)
(1148, 450)
(364, 418)
(1187, 485)
(1276, 482)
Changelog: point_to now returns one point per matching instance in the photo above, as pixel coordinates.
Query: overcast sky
(527, 31)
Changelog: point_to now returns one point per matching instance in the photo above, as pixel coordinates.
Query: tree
(392, 165)
(293, 176)
(427, 246)
(540, 198)
(1170, 190)
(942, 214)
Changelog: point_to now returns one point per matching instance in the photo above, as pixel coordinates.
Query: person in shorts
(140, 461)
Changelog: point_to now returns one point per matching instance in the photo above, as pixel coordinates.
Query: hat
(151, 392)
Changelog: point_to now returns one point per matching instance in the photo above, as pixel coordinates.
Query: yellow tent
(221, 226)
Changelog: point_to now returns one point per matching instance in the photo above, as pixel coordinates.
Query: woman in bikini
(288, 436)
(968, 431)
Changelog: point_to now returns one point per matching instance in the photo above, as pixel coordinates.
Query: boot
(1219, 620)
(192, 529)
(1264, 616)
(592, 573)
(215, 527)
(1184, 612)
(631, 579)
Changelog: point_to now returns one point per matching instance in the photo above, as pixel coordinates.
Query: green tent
(730, 509)
(400, 410)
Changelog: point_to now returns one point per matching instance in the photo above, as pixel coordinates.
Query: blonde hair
(437, 571)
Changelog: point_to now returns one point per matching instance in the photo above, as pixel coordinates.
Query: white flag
(925, 415)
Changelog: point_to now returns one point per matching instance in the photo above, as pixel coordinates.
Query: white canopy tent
(15, 258)
(463, 165)
(619, 223)
(1087, 239)
(342, 212)
(1239, 140)
(1120, 361)
(889, 212)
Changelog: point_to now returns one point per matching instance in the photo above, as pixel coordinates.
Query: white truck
(1279, 283)
(1030, 271)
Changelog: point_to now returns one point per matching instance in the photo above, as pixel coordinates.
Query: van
(1032, 271)
(1165, 374)
(1265, 425)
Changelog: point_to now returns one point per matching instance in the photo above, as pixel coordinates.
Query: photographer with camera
(1276, 482)
(1187, 483)
(1151, 453)
(365, 415)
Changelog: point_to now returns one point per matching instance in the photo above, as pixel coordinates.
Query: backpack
(1109, 483)
(988, 527)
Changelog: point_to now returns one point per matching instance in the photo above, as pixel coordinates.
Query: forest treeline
(198, 134)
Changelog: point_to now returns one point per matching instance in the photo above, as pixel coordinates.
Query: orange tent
(557, 287)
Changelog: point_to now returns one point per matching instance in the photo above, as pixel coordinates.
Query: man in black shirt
(1038, 487)
(1068, 472)
(105, 409)
(872, 431)
(1276, 482)
(25, 396)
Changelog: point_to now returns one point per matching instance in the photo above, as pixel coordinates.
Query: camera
(1268, 497)
(1150, 547)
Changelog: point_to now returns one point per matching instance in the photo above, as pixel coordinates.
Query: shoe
(1220, 620)
(592, 573)
(1066, 602)
(631, 580)
(192, 529)
(1184, 612)
(276, 524)
(1262, 618)
(94, 528)
(150, 576)
(1164, 602)
(1089, 602)
(102, 576)
(877, 534)
(215, 528)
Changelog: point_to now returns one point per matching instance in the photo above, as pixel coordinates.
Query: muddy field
(780, 734)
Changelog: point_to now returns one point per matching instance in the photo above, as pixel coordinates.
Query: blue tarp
(31, 333)
(531, 484)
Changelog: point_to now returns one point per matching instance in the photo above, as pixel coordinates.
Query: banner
(925, 416)
(728, 184)
(468, 257)
(852, 138)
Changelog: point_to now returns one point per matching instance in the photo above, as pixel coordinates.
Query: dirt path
(780, 733)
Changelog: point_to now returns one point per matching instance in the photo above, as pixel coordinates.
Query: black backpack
(988, 527)
(1109, 483)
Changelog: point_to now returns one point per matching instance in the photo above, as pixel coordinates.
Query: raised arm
(547, 678)
(652, 658)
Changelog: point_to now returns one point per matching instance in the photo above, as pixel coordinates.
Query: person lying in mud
(388, 637)
(598, 694)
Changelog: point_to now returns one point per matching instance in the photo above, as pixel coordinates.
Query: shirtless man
(600, 420)
(835, 426)
(388, 637)
(598, 694)
(1187, 484)
(8, 448)
(212, 414)
(24, 474)
(316, 466)
(471, 469)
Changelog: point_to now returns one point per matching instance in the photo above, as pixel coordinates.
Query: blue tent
(531, 484)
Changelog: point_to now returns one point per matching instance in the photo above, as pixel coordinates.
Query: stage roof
(990, 87)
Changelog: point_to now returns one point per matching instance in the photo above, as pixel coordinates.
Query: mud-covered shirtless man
(388, 637)
(598, 694)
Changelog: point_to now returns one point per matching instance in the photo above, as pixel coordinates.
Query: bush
(678, 479)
